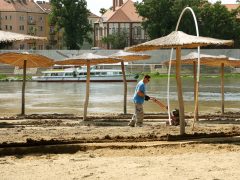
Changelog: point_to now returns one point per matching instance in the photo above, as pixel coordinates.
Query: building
(29, 17)
(121, 17)
(55, 39)
(25, 17)
(231, 7)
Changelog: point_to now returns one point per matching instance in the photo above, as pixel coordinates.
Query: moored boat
(79, 74)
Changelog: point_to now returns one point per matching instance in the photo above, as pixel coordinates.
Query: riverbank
(154, 75)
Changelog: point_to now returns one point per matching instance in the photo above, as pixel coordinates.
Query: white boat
(79, 75)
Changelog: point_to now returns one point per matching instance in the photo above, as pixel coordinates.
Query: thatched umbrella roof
(178, 39)
(205, 59)
(33, 60)
(25, 60)
(6, 36)
(129, 56)
(87, 59)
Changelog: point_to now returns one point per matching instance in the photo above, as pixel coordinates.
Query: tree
(102, 11)
(218, 22)
(117, 40)
(72, 16)
(161, 16)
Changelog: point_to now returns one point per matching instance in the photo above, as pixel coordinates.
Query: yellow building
(25, 17)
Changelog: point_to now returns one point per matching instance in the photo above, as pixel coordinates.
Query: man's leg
(133, 120)
(139, 114)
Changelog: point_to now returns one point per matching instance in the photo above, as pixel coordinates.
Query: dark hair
(147, 76)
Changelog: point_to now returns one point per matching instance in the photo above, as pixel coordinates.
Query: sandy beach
(64, 147)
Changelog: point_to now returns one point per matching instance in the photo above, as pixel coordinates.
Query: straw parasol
(25, 60)
(128, 56)
(6, 36)
(208, 60)
(87, 59)
(178, 40)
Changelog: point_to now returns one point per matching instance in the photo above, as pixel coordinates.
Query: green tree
(161, 16)
(102, 11)
(72, 16)
(216, 21)
(158, 17)
(117, 40)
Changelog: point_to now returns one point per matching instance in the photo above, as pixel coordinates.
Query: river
(108, 97)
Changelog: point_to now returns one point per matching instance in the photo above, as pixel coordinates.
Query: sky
(96, 5)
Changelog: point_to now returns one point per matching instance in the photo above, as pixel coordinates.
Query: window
(6, 27)
(21, 27)
(51, 29)
(54, 74)
(6, 17)
(40, 28)
(103, 73)
(101, 31)
(21, 18)
(113, 30)
(10, 27)
(21, 46)
(159, 66)
(40, 47)
(69, 74)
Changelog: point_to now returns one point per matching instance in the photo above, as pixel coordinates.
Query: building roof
(20, 6)
(93, 15)
(231, 6)
(6, 6)
(125, 13)
(45, 6)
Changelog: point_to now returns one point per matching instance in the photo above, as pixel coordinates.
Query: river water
(108, 97)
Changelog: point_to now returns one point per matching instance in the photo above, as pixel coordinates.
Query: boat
(79, 74)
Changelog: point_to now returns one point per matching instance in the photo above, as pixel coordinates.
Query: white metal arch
(170, 60)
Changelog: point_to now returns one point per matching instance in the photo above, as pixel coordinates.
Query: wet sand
(154, 151)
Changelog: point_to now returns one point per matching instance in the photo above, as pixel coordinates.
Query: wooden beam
(87, 91)
(179, 89)
(222, 86)
(125, 88)
(23, 86)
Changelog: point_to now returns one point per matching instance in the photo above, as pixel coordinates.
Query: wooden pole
(87, 91)
(222, 86)
(179, 88)
(23, 87)
(125, 88)
(195, 91)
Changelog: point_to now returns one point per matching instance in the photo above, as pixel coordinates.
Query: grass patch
(157, 75)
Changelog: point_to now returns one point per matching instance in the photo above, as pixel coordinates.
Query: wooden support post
(195, 91)
(179, 89)
(222, 86)
(23, 86)
(125, 88)
(87, 91)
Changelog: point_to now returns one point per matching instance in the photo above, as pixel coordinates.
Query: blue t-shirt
(140, 87)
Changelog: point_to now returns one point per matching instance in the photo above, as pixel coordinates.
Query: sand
(112, 150)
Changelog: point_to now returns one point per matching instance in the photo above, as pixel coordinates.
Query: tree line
(159, 19)
(214, 20)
